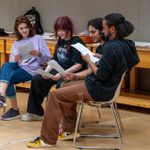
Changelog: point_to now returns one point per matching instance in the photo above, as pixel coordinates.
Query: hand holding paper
(43, 73)
(17, 57)
(56, 66)
(35, 53)
(86, 58)
(83, 50)
(25, 49)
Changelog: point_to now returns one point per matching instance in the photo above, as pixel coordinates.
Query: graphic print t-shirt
(63, 56)
(68, 58)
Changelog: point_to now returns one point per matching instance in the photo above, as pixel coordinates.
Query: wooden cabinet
(9, 43)
(125, 98)
(51, 46)
(136, 97)
(2, 51)
(2, 46)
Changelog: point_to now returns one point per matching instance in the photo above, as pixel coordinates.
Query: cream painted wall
(80, 11)
(10, 9)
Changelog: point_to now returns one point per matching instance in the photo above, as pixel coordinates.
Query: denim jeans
(12, 74)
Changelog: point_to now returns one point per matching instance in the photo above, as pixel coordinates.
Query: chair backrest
(117, 92)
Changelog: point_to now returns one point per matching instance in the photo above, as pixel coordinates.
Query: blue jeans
(12, 74)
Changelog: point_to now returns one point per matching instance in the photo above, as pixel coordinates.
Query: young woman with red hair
(68, 57)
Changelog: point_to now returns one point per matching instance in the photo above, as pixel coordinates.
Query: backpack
(34, 17)
(2, 32)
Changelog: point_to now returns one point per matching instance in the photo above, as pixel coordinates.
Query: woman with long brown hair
(20, 69)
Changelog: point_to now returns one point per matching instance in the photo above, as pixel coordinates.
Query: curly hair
(123, 27)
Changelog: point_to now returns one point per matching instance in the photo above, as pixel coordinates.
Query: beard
(104, 37)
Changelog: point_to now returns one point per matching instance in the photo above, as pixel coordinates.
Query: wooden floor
(15, 134)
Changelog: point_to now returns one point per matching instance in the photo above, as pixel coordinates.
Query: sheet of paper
(43, 73)
(56, 66)
(83, 50)
(24, 50)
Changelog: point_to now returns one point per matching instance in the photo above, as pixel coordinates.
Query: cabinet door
(1, 46)
(51, 47)
(9, 44)
(2, 52)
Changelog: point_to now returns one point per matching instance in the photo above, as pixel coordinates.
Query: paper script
(83, 50)
(56, 66)
(25, 49)
(43, 73)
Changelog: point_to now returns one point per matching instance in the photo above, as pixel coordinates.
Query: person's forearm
(84, 73)
(93, 67)
(74, 68)
(48, 68)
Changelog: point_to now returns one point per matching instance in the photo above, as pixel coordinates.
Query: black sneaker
(3, 101)
(10, 115)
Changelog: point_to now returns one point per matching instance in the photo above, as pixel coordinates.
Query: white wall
(137, 11)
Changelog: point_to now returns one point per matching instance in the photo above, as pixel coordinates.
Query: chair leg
(119, 117)
(80, 107)
(81, 124)
(117, 122)
(99, 115)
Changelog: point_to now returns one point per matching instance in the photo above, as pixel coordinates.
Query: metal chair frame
(117, 118)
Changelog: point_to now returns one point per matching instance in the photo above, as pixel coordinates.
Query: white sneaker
(31, 117)
(64, 136)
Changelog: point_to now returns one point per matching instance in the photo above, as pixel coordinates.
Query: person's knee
(37, 79)
(51, 94)
(6, 64)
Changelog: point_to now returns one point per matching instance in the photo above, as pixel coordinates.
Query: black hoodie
(118, 56)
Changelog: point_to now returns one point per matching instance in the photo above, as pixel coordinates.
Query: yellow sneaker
(38, 143)
(67, 136)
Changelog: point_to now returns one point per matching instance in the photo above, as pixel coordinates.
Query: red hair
(64, 23)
